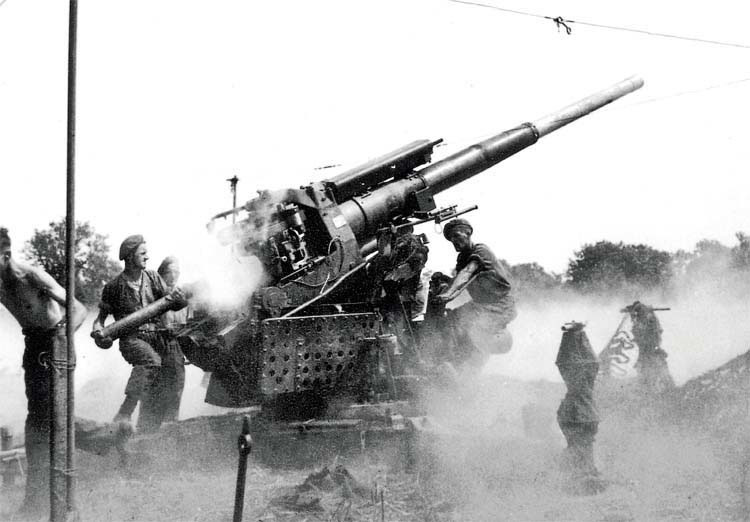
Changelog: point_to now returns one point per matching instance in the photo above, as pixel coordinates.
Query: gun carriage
(311, 334)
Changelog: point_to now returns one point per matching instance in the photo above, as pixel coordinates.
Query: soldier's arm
(99, 321)
(105, 308)
(96, 328)
(460, 282)
(176, 295)
(51, 288)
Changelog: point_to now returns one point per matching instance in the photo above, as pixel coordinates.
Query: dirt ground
(491, 471)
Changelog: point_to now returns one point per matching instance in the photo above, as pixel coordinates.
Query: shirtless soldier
(37, 302)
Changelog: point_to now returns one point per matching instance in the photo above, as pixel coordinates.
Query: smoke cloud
(223, 280)
(500, 444)
(705, 327)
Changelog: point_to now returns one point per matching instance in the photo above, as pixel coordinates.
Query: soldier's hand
(102, 341)
(178, 298)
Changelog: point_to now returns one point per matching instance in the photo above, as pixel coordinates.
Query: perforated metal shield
(313, 353)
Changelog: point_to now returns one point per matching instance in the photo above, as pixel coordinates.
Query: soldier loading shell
(144, 348)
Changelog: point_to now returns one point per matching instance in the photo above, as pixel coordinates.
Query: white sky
(175, 97)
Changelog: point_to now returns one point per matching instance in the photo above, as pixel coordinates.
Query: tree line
(604, 267)
(93, 264)
(617, 268)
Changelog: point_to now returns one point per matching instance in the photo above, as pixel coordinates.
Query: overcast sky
(175, 97)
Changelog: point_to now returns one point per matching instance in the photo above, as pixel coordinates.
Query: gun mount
(311, 331)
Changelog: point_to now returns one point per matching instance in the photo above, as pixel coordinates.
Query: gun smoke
(501, 444)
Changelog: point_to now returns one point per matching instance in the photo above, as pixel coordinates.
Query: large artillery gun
(311, 334)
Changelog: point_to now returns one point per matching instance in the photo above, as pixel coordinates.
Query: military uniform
(652, 360)
(40, 345)
(89, 435)
(171, 380)
(577, 415)
(145, 349)
(492, 304)
(402, 267)
(398, 271)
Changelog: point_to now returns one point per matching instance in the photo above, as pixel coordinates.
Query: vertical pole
(244, 446)
(233, 187)
(6, 441)
(70, 255)
(58, 431)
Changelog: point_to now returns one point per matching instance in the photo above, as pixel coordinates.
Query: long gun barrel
(318, 296)
(367, 213)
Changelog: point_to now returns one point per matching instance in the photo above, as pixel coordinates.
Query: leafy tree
(93, 265)
(607, 266)
(680, 262)
(532, 279)
(708, 257)
(712, 264)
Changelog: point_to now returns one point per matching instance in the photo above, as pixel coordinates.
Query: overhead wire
(564, 22)
(684, 93)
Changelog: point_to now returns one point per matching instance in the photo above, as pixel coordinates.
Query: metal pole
(71, 270)
(245, 443)
(233, 186)
(6, 441)
(58, 430)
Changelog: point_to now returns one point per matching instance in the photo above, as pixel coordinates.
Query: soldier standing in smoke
(577, 415)
(652, 368)
(484, 319)
(172, 375)
(145, 348)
